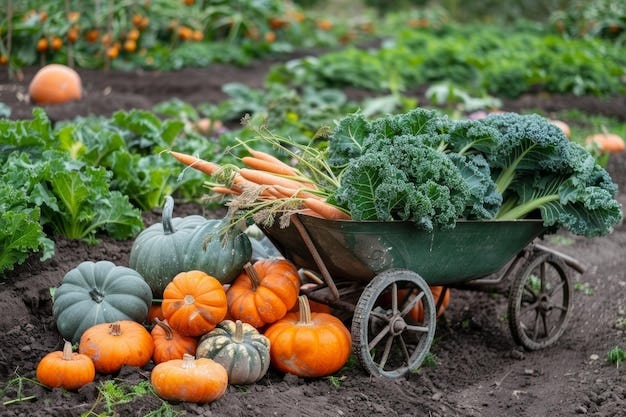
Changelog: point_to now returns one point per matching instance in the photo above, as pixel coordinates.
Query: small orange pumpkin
(113, 345)
(194, 303)
(417, 312)
(309, 344)
(155, 312)
(169, 344)
(189, 379)
(607, 142)
(66, 369)
(264, 292)
(55, 83)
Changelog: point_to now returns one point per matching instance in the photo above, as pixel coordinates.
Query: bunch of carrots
(272, 180)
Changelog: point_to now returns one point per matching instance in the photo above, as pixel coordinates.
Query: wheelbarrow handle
(569, 261)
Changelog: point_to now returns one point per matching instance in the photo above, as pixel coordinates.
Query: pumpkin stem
(168, 210)
(169, 335)
(67, 351)
(305, 310)
(189, 361)
(115, 329)
(253, 275)
(238, 336)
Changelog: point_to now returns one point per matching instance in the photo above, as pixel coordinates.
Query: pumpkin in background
(417, 312)
(606, 142)
(99, 292)
(54, 84)
(189, 379)
(158, 251)
(221, 255)
(309, 344)
(113, 345)
(264, 292)
(66, 369)
(240, 348)
(194, 303)
(169, 344)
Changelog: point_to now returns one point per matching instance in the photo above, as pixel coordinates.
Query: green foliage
(505, 62)
(424, 167)
(617, 355)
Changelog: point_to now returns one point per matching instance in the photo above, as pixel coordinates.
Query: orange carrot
(223, 190)
(327, 211)
(201, 165)
(267, 178)
(267, 157)
(268, 166)
(287, 192)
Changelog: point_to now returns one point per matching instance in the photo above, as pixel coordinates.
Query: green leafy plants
(424, 167)
(617, 355)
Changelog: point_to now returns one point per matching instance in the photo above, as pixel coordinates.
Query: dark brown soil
(479, 370)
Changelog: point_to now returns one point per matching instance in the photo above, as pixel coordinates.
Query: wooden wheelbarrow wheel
(540, 302)
(386, 341)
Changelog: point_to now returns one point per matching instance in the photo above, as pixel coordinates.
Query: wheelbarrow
(380, 271)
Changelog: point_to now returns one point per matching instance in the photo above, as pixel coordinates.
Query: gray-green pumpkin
(221, 254)
(99, 292)
(158, 252)
(240, 348)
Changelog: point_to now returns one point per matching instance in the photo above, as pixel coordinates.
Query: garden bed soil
(479, 370)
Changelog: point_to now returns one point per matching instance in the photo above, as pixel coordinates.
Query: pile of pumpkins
(220, 318)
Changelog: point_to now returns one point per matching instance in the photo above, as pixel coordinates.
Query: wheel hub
(397, 325)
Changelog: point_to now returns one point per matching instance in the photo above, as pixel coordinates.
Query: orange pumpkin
(264, 292)
(66, 369)
(155, 312)
(113, 345)
(55, 83)
(194, 303)
(309, 344)
(417, 312)
(606, 142)
(169, 344)
(189, 379)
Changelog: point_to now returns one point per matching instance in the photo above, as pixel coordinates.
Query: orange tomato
(72, 34)
(92, 35)
(4, 60)
(324, 24)
(42, 45)
(270, 37)
(57, 43)
(133, 34)
(130, 45)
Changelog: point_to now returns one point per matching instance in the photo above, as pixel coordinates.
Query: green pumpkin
(158, 252)
(99, 292)
(221, 255)
(240, 348)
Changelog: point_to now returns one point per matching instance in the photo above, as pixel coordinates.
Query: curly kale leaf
(404, 182)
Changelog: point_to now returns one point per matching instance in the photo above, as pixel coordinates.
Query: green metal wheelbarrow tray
(379, 271)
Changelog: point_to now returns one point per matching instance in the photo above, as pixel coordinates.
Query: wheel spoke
(405, 349)
(420, 329)
(394, 298)
(386, 351)
(542, 276)
(536, 327)
(380, 315)
(416, 299)
(383, 332)
(529, 291)
(556, 289)
(527, 309)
